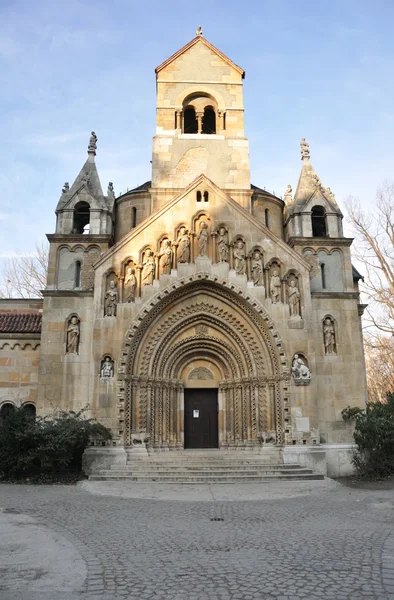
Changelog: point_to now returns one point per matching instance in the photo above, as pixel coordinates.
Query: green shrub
(45, 448)
(374, 436)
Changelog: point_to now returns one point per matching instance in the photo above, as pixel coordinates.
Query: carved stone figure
(222, 245)
(203, 239)
(148, 270)
(92, 142)
(317, 182)
(111, 191)
(110, 300)
(239, 258)
(107, 368)
(288, 196)
(275, 286)
(304, 149)
(331, 194)
(66, 188)
(72, 336)
(294, 299)
(267, 437)
(257, 268)
(130, 284)
(199, 30)
(183, 254)
(299, 369)
(165, 260)
(139, 438)
(329, 336)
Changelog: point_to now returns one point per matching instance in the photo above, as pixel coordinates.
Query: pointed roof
(199, 39)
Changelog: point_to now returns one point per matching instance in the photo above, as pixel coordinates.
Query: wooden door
(201, 418)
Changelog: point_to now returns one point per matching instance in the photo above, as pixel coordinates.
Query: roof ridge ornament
(199, 30)
(305, 154)
(92, 144)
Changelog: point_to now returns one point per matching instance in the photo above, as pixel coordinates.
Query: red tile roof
(20, 322)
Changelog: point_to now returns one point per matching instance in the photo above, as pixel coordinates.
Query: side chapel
(198, 310)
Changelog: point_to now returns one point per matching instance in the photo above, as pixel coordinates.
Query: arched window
(81, 218)
(77, 280)
(134, 216)
(266, 217)
(198, 196)
(319, 227)
(206, 196)
(30, 410)
(5, 411)
(323, 275)
(209, 120)
(190, 124)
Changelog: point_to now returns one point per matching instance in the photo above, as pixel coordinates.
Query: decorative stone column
(199, 116)
(139, 273)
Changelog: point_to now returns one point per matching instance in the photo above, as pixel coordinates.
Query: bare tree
(25, 276)
(379, 361)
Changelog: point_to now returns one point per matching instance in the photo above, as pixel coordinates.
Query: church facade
(198, 310)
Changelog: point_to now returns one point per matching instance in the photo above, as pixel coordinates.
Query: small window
(190, 120)
(198, 196)
(133, 217)
(206, 196)
(77, 274)
(323, 275)
(319, 227)
(81, 218)
(209, 120)
(266, 218)
(29, 410)
(5, 412)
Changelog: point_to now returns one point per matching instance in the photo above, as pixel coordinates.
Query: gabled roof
(199, 39)
(87, 179)
(12, 322)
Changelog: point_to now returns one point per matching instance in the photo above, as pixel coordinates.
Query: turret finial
(199, 30)
(92, 144)
(305, 154)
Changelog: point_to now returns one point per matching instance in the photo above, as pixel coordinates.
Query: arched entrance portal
(202, 336)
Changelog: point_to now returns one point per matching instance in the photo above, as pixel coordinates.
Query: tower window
(209, 120)
(266, 217)
(206, 196)
(198, 196)
(5, 412)
(78, 274)
(319, 226)
(134, 217)
(323, 275)
(190, 120)
(81, 218)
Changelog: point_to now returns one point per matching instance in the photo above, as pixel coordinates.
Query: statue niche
(130, 283)
(183, 241)
(222, 241)
(202, 238)
(165, 257)
(294, 297)
(300, 370)
(257, 267)
(330, 344)
(275, 283)
(107, 368)
(239, 257)
(72, 337)
(111, 296)
(148, 269)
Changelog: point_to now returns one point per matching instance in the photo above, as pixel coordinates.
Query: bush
(46, 448)
(374, 436)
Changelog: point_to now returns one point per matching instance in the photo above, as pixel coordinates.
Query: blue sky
(315, 69)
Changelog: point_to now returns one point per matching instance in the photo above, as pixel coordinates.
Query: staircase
(206, 466)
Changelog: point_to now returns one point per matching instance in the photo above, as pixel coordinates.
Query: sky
(314, 69)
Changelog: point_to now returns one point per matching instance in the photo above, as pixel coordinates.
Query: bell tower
(199, 123)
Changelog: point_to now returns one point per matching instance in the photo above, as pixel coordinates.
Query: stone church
(196, 310)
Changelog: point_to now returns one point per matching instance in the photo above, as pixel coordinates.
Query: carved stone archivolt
(201, 319)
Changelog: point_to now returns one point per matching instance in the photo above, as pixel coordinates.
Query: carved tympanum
(201, 373)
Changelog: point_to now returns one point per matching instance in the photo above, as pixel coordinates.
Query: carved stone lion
(267, 437)
(139, 438)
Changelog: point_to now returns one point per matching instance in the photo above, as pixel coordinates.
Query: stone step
(192, 468)
(209, 479)
(201, 472)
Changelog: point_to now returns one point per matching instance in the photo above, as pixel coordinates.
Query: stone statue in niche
(107, 368)
(329, 336)
(222, 245)
(148, 270)
(165, 260)
(239, 258)
(257, 268)
(110, 300)
(130, 284)
(72, 336)
(183, 254)
(299, 369)
(294, 298)
(203, 239)
(275, 286)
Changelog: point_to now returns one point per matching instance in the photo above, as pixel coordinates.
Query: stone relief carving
(288, 195)
(148, 269)
(72, 344)
(203, 239)
(110, 300)
(257, 268)
(139, 438)
(330, 345)
(130, 285)
(275, 285)
(183, 254)
(300, 371)
(267, 437)
(223, 245)
(201, 329)
(201, 373)
(239, 258)
(304, 149)
(165, 257)
(294, 298)
(107, 368)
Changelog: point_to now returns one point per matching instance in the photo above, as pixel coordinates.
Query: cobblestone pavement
(338, 544)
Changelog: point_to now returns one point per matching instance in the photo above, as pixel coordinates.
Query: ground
(279, 541)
